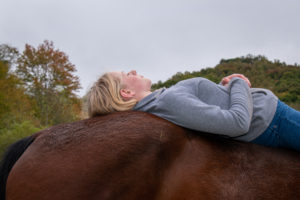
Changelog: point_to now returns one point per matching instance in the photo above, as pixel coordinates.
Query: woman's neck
(142, 95)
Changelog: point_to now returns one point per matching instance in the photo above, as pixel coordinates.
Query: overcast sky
(156, 37)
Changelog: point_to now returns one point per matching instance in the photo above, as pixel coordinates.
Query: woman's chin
(149, 82)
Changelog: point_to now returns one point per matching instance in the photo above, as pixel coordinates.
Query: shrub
(16, 132)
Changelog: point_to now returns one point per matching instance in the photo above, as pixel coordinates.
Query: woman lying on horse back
(231, 109)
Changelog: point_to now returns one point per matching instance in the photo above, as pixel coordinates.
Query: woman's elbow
(243, 128)
(236, 131)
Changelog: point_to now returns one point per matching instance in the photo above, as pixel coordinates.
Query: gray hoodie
(234, 111)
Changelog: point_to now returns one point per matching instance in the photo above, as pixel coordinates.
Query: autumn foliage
(48, 77)
(37, 90)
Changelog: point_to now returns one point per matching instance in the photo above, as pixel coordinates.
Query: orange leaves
(49, 78)
(48, 65)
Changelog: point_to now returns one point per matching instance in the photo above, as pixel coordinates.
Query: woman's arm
(190, 112)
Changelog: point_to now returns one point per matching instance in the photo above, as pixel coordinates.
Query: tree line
(282, 79)
(37, 90)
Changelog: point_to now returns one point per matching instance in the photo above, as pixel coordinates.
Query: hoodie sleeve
(190, 112)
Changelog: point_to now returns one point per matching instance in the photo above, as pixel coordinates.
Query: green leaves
(16, 131)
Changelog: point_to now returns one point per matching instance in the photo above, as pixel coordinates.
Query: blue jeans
(284, 130)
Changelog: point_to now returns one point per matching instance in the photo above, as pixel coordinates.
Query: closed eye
(125, 73)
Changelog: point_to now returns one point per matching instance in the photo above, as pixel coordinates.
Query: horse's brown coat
(136, 155)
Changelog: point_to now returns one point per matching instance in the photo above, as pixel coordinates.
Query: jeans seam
(292, 122)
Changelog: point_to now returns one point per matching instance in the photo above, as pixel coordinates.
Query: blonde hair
(104, 96)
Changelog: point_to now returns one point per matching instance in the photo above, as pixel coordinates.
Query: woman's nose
(133, 72)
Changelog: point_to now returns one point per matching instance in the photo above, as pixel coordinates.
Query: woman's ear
(127, 94)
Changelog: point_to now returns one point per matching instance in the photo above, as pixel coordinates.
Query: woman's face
(134, 81)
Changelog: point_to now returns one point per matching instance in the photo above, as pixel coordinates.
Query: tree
(48, 77)
(14, 104)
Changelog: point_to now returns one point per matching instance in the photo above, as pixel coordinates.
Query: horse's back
(135, 155)
(109, 157)
(213, 168)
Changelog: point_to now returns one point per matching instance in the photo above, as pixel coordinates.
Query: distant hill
(282, 79)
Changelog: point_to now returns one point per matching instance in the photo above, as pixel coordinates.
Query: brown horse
(136, 155)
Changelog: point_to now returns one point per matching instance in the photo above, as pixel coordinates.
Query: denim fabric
(284, 130)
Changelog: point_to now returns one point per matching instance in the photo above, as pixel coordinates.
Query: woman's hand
(227, 79)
